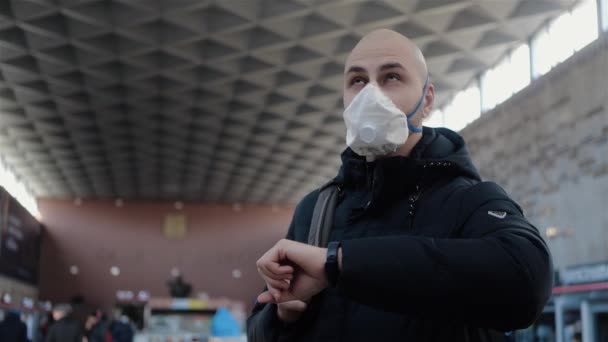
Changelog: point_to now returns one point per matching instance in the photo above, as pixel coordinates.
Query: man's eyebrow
(391, 66)
(383, 67)
(355, 68)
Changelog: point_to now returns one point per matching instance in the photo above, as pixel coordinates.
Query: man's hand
(291, 311)
(292, 271)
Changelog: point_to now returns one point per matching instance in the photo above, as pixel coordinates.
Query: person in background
(121, 327)
(66, 328)
(12, 329)
(97, 327)
(46, 323)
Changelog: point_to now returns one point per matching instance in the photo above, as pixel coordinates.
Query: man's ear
(429, 101)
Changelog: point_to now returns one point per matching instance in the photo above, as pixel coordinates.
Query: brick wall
(97, 235)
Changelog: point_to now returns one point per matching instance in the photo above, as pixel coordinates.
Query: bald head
(394, 64)
(388, 43)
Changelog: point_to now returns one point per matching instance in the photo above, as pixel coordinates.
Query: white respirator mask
(374, 125)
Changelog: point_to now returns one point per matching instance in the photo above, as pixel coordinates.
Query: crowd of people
(71, 323)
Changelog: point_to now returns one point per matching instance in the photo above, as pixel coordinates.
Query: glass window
(508, 77)
(584, 19)
(436, 119)
(604, 14)
(553, 44)
(564, 36)
(520, 68)
(18, 190)
(541, 58)
(494, 84)
(463, 109)
(561, 38)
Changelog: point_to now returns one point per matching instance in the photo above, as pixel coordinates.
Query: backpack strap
(323, 215)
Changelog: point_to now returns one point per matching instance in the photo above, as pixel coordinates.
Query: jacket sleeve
(50, 337)
(497, 275)
(23, 333)
(263, 325)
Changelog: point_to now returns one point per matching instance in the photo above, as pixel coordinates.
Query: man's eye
(357, 81)
(393, 77)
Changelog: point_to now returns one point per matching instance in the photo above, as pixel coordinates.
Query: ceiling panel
(211, 100)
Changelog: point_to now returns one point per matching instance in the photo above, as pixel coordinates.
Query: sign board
(20, 234)
(174, 226)
(584, 274)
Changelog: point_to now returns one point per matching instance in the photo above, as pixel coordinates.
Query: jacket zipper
(371, 191)
(411, 203)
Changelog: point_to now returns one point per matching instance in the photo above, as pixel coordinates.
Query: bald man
(421, 249)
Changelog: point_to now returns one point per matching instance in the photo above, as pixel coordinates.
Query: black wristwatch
(332, 269)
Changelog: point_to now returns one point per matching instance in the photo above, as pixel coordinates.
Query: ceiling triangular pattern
(232, 96)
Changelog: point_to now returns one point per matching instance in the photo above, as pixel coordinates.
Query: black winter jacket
(430, 253)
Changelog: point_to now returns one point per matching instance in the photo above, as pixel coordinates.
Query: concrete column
(588, 322)
(559, 320)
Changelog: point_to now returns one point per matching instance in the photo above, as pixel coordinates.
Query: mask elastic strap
(417, 108)
(414, 128)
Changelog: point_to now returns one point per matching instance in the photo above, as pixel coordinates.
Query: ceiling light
(6, 298)
(125, 295)
(237, 274)
(27, 302)
(555, 232)
(74, 270)
(143, 296)
(552, 232)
